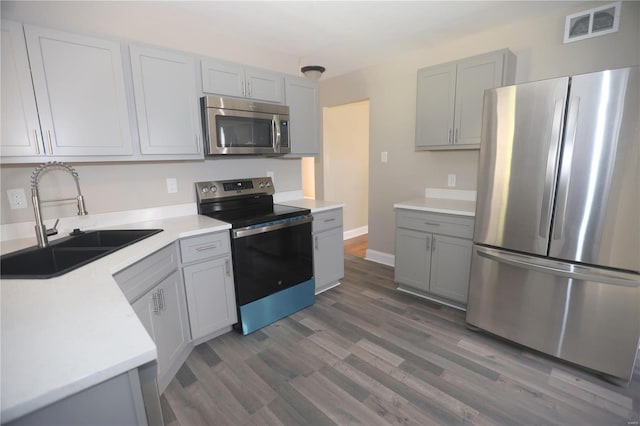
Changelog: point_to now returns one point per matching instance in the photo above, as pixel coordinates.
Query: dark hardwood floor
(368, 354)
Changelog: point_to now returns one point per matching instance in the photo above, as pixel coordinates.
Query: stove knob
(205, 189)
(261, 184)
(268, 184)
(214, 189)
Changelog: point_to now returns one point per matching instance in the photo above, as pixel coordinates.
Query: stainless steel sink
(69, 253)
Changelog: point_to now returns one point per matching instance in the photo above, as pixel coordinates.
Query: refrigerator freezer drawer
(587, 316)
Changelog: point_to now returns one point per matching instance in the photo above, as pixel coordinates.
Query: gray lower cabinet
(433, 255)
(163, 313)
(155, 290)
(328, 253)
(118, 401)
(208, 281)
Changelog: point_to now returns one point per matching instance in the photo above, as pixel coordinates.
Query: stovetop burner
(243, 202)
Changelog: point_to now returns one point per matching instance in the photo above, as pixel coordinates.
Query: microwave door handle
(275, 123)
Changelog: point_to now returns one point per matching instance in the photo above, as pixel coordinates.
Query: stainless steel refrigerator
(556, 256)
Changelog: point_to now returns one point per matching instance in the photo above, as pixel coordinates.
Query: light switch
(451, 181)
(384, 157)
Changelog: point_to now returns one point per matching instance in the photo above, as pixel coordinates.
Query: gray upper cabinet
(449, 99)
(301, 95)
(20, 126)
(80, 92)
(229, 79)
(166, 101)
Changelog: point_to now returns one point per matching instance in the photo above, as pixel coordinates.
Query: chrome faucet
(42, 233)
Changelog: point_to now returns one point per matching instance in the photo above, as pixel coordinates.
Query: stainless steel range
(271, 246)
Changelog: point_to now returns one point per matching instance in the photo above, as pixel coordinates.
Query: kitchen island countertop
(65, 334)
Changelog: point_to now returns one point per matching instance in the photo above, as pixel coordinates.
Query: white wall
(391, 89)
(345, 152)
(110, 187)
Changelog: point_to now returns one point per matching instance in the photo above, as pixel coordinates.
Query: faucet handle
(54, 230)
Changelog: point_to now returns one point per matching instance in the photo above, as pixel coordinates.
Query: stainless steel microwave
(241, 127)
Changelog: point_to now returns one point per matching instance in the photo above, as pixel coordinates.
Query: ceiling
(347, 35)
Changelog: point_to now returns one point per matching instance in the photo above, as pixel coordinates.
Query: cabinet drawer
(204, 246)
(456, 226)
(327, 220)
(138, 278)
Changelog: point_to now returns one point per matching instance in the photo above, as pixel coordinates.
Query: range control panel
(232, 188)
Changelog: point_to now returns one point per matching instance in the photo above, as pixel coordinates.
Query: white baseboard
(380, 257)
(352, 233)
(327, 288)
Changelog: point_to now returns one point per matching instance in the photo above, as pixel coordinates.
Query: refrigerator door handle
(565, 169)
(560, 268)
(552, 163)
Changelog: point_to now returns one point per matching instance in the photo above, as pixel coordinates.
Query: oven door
(242, 132)
(268, 258)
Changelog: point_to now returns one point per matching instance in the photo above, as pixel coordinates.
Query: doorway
(345, 164)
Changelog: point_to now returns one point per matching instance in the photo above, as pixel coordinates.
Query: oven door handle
(244, 232)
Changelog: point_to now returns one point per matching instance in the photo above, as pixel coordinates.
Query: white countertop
(440, 205)
(315, 206)
(62, 335)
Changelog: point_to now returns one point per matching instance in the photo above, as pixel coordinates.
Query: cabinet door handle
(429, 243)
(35, 136)
(227, 267)
(329, 220)
(432, 223)
(316, 242)
(49, 142)
(455, 136)
(161, 298)
(156, 308)
(433, 244)
(209, 247)
(249, 87)
(449, 137)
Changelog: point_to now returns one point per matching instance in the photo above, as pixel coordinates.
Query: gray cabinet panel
(435, 105)
(80, 92)
(166, 100)
(210, 296)
(116, 401)
(328, 253)
(20, 126)
(328, 257)
(450, 265)
(229, 79)
(449, 99)
(413, 262)
(433, 255)
(140, 277)
(301, 94)
(162, 311)
(208, 281)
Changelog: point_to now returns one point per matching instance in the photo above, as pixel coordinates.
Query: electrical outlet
(172, 185)
(17, 198)
(451, 180)
(384, 156)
